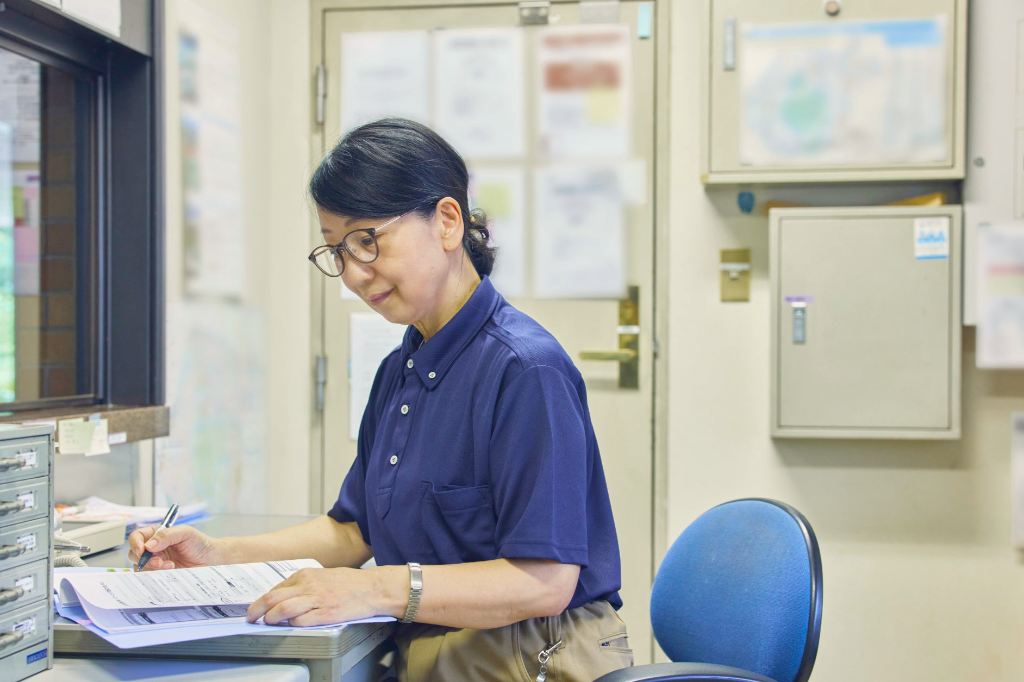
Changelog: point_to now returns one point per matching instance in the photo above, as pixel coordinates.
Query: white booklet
(124, 603)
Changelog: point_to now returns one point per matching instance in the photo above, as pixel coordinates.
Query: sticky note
(495, 199)
(603, 105)
(81, 437)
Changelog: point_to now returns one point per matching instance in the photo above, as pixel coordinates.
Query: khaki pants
(593, 643)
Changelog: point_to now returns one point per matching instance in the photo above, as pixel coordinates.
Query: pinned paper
(371, 339)
(501, 193)
(584, 100)
(81, 437)
(931, 238)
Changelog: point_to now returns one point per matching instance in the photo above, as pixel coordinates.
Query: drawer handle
(12, 507)
(8, 463)
(7, 551)
(9, 638)
(7, 596)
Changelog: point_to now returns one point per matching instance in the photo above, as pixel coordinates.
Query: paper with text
(478, 90)
(204, 586)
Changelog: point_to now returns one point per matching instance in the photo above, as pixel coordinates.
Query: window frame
(125, 212)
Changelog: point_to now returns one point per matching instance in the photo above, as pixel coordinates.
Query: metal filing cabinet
(866, 322)
(26, 551)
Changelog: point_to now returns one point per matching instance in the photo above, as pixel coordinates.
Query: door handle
(621, 355)
(628, 353)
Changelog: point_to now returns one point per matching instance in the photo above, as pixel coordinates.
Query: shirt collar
(432, 360)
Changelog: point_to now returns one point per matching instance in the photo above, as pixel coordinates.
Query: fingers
(167, 537)
(289, 609)
(136, 541)
(259, 608)
(310, 618)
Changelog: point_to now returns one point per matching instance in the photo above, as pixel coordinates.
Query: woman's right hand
(174, 547)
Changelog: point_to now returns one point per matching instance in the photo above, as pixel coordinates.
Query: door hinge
(321, 381)
(534, 13)
(321, 92)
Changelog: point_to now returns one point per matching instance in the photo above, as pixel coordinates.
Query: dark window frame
(125, 240)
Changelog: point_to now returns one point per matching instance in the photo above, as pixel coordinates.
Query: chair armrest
(683, 672)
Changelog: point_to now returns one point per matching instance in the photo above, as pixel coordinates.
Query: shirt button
(405, 409)
(410, 363)
(432, 375)
(394, 460)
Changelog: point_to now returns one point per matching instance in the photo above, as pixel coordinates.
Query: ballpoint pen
(169, 519)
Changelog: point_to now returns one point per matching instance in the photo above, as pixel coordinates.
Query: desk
(350, 654)
(125, 670)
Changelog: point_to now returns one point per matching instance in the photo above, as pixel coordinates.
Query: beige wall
(275, 139)
(921, 582)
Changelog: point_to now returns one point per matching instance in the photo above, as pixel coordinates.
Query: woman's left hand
(321, 596)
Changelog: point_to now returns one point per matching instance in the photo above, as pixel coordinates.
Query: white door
(623, 417)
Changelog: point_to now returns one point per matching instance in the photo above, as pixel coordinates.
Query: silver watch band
(415, 590)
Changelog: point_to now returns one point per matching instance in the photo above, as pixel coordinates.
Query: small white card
(28, 626)
(931, 237)
(28, 540)
(26, 583)
(28, 500)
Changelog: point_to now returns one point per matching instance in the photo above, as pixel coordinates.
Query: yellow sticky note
(495, 199)
(82, 437)
(18, 203)
(99, 443)
(75, 436)
(604, 105)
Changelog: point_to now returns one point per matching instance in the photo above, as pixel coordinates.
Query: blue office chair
(738, 598)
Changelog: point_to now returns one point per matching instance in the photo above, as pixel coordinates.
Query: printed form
(119, 602)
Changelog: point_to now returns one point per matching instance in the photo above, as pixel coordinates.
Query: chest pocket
(460, 523)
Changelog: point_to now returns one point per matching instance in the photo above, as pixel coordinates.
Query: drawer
(26, 626)
(24, 500)
(19, 586)
(25, 458)
(24, 543)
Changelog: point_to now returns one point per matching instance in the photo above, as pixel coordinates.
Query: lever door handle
(621, 355)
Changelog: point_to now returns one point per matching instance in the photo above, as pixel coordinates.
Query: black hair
(395, 166)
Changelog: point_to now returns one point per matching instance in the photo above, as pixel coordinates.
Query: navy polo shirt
(478, 445)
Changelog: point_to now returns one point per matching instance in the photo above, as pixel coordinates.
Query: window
(46, 281)
(81, 239)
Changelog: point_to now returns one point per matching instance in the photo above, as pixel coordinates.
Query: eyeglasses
(358, 244)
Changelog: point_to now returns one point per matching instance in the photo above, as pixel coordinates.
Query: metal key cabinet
(26, 551)
(865, 322)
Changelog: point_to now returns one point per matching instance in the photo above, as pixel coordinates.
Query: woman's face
(406, 282)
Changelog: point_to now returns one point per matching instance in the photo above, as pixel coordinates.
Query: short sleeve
(539, 471)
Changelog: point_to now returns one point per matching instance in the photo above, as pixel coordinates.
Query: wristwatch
(415, 590)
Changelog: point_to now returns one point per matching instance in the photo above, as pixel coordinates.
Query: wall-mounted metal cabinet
(840, 91)
(866, 322)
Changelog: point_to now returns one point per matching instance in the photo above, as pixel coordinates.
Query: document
(478, 97)
(580, 245)
(501, 193)
(1000, 315)
(212, 154)
(20, 106)
(842, 93)
(159, 607)
(189, 587)
(384, 73)
(372, 338)
(585, 91)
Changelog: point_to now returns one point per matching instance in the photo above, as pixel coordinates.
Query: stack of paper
(96, 508)
(158, 607)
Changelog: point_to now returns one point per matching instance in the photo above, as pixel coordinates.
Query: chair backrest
(741, 586)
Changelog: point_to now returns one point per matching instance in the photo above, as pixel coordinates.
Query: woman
(478, 486)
